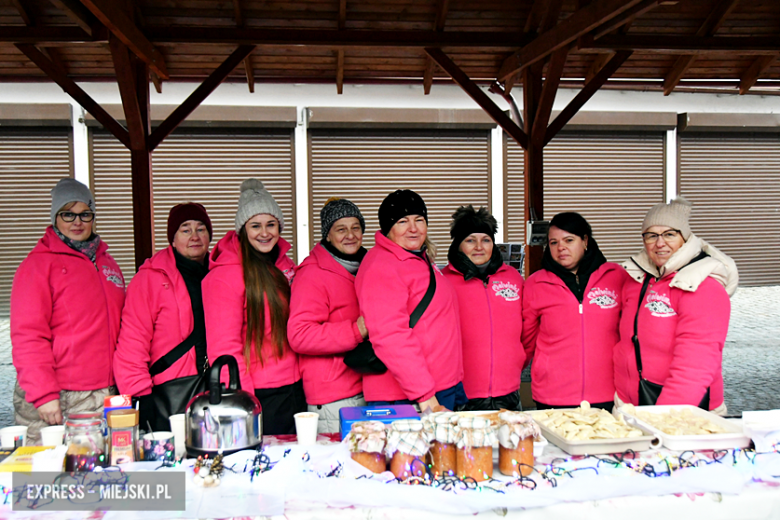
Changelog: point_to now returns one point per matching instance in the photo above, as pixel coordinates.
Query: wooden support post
(534, 161)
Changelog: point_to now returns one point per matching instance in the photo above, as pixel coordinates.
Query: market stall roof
(723, 44)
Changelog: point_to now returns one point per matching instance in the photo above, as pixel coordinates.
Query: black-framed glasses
(69, 216)
(668, 235)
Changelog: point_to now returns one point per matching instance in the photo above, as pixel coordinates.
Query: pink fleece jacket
(571, 343)
(157, 317)
(681, 336)
(323, 312)
(224, 304)
(420, 361)
(491, 321)
(65, 313)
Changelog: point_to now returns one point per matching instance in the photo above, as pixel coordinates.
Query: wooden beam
(157, 82)
(476, 93)
(53, 54)
(24, 12)
(238, 14)
(50, 35)
(197, 97)
(125, 77)
(250, 74)
(143, 205)
(342, 14)
(551, 15)
(751, 75)
(442, 9)
(668, 44)
(713, 22)
(340, 72)
(110, 13)
(78, 14)
(428, 75)
(576, 25)
(74, 91)
(590, 88)
(626, 17)
(598, 63)
(535, 16)
(547, 97)
(533, 161)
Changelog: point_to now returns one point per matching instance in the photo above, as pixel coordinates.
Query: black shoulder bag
(172, 397)
(649, 391)
(364, 360)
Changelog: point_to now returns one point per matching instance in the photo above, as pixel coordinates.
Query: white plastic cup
(53, 435)
(13, 436)
(306, 427)
(178, 427)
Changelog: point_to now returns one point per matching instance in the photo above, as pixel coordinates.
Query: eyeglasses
(69, 216)
(668, 236)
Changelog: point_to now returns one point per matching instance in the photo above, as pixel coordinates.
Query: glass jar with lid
(85, 441)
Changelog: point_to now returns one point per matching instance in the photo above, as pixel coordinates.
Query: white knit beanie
(674, 215)
(254, 200)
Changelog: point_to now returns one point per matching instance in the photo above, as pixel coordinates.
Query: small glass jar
(122, 436)
(474, 459)
(407, 445)
(441, 428)
(85, 441)
(516, 434)
(367, 441)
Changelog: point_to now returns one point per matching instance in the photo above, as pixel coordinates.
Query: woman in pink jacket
(424, 361)
(246, 299)
(164, 308)
(325, 320)
(676, 303)
(66, 303)
(571, 309)
(490, 298)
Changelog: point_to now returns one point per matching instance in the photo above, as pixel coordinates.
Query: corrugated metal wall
(612, 179)
(206, 167)
(733, 181)
(31, 163)
(447, 168)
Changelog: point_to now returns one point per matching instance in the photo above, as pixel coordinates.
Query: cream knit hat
(674, 215)
(254, 200)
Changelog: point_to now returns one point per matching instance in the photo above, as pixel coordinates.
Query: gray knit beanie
(254, 200)
(335, 209)
(69, 190)
(674, 215)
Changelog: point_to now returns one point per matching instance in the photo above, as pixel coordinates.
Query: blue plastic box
(385, 414)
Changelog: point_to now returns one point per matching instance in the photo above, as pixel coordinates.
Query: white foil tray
(734, 438)
(601, 446)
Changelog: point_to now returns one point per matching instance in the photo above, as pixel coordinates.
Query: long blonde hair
(430, 248)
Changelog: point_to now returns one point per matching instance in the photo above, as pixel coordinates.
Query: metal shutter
(611, 179)
(31, 163)
(447, 168)
(733, 181)
(191, 166)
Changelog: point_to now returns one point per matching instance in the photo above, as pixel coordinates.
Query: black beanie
(399, 204)
(466, 220)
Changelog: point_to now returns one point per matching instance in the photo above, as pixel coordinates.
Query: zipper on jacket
(490, 316)
(582, 338)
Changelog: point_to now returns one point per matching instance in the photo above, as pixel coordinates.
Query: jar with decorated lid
(85, 441)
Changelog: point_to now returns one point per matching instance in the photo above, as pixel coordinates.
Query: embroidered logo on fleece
(604, 298)
(289, 273)
(660, 306)
(506, 290)
(113, 276)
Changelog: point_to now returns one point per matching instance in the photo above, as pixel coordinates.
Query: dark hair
(263, 281)
(573, 223)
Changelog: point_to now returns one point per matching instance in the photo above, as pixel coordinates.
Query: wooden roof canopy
(720, 45)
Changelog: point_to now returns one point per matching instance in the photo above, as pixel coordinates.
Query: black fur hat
(466, 220)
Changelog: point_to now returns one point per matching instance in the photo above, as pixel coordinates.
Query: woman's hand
(431, 403)
(50, 412)
(361, 324)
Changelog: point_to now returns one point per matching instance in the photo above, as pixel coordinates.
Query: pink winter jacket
(156, 318)
(323, 312)
(571, 343)
(65, 314)
(681, 337)
(491, 321)
(224, 304)
(420, 361)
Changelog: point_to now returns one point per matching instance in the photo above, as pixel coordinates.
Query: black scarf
(193, 273)
(357, 257)
(592, 260)
(466, 267)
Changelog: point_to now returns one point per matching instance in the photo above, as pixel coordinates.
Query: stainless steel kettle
(223, 419)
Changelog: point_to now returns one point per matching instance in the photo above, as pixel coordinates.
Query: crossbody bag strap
(426, 300)
(635, 337)
(167, 361)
